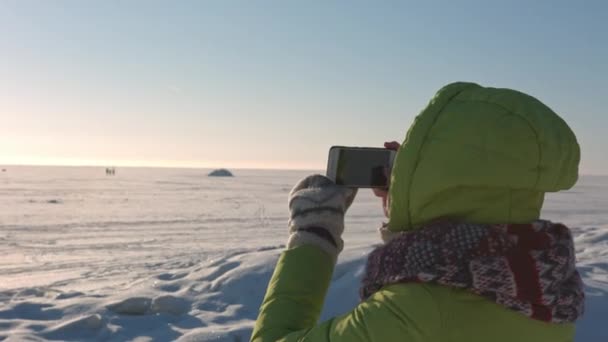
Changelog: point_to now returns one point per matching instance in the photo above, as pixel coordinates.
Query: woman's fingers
(392, 145)
(379, 192)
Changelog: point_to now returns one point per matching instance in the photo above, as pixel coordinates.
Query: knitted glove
(317, 207)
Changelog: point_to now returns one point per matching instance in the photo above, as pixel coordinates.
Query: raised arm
(297, 289)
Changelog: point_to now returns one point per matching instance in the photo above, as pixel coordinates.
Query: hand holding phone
(360, 167)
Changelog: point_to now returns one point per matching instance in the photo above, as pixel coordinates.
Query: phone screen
(363, 167)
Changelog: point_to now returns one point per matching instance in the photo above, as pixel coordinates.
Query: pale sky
(273, 84)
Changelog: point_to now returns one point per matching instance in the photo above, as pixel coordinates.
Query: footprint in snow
(219, 271)
(170, 276)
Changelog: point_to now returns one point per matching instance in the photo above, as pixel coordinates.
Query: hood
(480, 155)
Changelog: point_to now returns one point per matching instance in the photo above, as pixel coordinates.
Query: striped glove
(317, 207)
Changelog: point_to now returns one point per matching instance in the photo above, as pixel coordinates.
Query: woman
(466, 257)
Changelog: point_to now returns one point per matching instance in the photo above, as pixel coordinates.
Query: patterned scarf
(528, 268)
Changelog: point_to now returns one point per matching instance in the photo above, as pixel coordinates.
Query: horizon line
(161, 167)
(198, 167)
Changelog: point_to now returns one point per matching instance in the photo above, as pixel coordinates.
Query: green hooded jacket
(474, 154)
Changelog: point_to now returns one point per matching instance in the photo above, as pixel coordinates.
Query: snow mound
(220, 173)
(131, 306)
(86, 327)
(170, 304)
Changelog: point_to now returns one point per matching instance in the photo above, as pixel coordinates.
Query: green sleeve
(295, 295)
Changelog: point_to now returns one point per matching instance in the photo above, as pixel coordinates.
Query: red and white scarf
(528, 268)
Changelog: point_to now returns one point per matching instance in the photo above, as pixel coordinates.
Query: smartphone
(360, 167)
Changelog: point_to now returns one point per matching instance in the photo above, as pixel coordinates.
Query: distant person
(465, 256)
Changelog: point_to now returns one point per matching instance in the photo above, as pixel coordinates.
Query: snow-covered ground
(171, 254)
